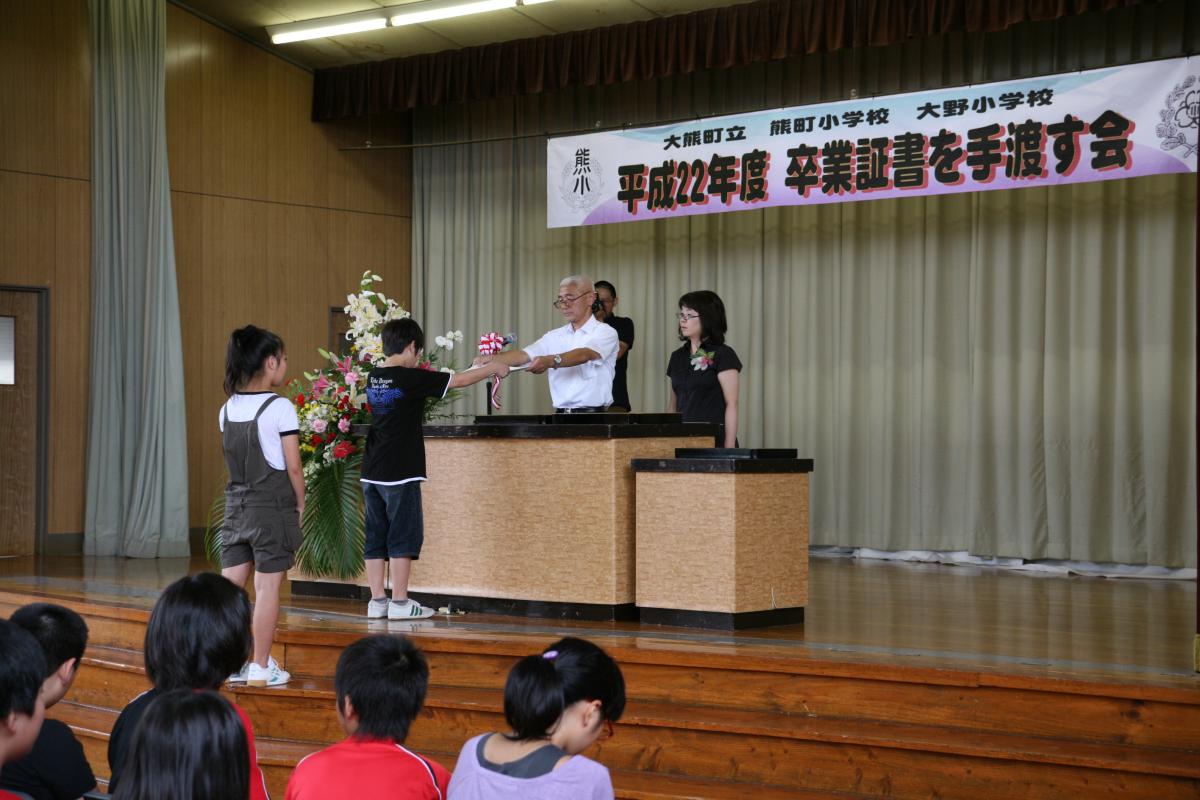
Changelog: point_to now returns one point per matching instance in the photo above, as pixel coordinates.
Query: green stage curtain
(1011, 373)
(137, 456)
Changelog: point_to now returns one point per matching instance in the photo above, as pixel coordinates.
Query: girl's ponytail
(533, 697)
(540, 688)
(248, 350)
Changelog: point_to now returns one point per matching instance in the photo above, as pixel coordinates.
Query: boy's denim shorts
(395, 527)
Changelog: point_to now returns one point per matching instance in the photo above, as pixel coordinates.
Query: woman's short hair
(712, 314)
(541, 687)
(199, 633)
(386, 678)
(187, 745)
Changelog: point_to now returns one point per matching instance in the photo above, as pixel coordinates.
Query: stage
(905, 680)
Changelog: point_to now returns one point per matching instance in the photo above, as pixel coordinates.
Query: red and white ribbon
(495, 391)
(490, 344)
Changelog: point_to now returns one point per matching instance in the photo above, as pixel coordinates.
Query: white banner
(1104, 124)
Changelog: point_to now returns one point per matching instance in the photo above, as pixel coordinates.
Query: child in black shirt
(56, 768)
(394, 463)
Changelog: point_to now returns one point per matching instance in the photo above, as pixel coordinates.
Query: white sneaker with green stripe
(408, 609)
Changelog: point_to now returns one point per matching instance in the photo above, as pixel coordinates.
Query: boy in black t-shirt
(56, 768)
(394, 463)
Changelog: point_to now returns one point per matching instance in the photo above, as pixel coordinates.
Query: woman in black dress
(704, 371)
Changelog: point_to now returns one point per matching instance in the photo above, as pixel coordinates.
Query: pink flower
(351, 378)
(321, 384)
(319, 425)
(345, 365)
(344, 424)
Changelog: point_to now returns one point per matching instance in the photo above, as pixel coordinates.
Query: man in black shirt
(56, 768)
(606, 295)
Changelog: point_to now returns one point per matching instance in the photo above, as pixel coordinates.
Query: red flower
(317, 440)
(299, 399)
(342, 449)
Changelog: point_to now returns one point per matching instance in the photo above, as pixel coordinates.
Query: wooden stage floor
(920, 615)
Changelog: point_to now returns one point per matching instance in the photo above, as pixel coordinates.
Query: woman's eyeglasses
(686, 317)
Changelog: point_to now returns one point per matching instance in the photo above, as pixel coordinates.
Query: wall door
(21, 462)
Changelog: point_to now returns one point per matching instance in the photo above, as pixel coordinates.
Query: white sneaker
(270, 675)
(409, 609)
(240, 675)
(377, 609)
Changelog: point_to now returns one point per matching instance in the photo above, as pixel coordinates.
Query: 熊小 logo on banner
(582, 182)
(1180, 126)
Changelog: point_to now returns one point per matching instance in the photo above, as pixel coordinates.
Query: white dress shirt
(588, 384)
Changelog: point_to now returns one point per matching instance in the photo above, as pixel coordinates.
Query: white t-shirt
(278, 420)
(588, 384)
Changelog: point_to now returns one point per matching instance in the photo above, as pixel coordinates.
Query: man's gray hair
(581, 282)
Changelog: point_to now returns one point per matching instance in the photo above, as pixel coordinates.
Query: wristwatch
(558, 359)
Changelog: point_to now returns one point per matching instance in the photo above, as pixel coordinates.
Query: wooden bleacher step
(712, 745)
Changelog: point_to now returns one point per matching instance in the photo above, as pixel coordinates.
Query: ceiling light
(407, 14)
(431, 10)
(322, 27)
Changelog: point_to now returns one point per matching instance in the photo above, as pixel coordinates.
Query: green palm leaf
(333, 522)
(212, 528)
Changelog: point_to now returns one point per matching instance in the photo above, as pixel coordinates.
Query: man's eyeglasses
(567, 300)
(685, 317)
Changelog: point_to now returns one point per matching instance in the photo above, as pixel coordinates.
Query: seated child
(56, 769)
(380, 684)
(22, 668)
(557, 704)
(188, 746)
(198, 635)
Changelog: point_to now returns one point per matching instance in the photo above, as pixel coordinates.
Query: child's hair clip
(550, 655)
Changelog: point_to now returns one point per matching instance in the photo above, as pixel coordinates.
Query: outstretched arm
(475, 375)
(511, 358)
(571, 358)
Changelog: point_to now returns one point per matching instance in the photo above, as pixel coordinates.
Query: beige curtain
(1010, 373)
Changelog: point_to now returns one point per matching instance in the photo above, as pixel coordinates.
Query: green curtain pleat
(137, 445)
(1010, 373)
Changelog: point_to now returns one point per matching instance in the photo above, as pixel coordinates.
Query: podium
(722, 538)
(533, 515)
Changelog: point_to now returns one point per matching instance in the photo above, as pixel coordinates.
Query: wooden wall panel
(45, 88)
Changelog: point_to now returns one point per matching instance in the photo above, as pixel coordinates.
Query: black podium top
(726, 460)
(572, 426)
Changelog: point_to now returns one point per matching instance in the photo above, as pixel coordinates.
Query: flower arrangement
(336, 397)
(330, 402)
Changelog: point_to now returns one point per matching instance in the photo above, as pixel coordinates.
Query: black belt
(580, 410)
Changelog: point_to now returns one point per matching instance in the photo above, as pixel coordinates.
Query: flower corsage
(702, 359)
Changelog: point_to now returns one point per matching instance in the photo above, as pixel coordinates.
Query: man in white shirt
(581, 355)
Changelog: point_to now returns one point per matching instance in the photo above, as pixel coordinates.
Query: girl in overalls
(264, 498)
